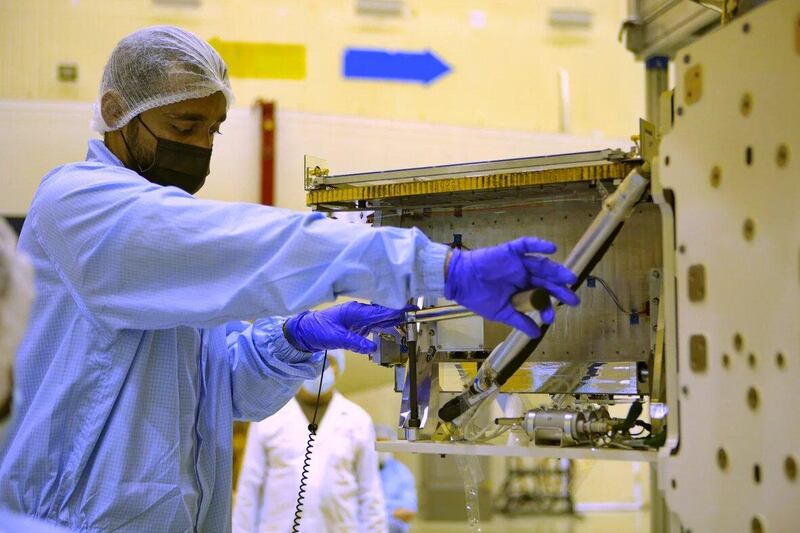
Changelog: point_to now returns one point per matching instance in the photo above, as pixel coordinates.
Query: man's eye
(182, 131)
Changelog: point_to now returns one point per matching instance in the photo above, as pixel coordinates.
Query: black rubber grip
(455, 407)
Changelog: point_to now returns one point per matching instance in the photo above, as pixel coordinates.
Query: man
(137, 363)
(399, 489)
(342, 492)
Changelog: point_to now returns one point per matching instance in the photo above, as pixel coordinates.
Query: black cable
(312, 433)
(613, 296)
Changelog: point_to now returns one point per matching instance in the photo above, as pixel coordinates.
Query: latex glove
(341, 326)
(484, 280)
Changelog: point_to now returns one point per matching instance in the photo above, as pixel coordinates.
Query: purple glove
(484, 280)
(341, 326)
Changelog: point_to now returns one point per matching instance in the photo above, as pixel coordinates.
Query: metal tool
(508, 356)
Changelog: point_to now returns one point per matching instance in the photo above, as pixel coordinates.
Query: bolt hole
(782, 155)
(746, 27)
(685, 391)
(749, 229)
(682, 248)
(680, 109)
(716, 176)
(687, 58)
(752, 398)
(756, 526)
(790, 468)
(780, 361)
(757, 473)
(674, 484)
(726, 361)
(751, 360)
(746, 104)
(748, 155)
(666, 161)
(722, 459)
(738, 342)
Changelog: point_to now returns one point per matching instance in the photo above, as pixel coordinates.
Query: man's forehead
(211, 108)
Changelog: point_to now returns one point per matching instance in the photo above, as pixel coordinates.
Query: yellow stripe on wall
(262, 60)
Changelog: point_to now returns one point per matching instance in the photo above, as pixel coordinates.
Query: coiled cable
(312, 434)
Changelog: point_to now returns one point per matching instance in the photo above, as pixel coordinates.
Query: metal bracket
(315, 170)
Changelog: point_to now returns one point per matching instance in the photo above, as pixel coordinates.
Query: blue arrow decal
(373, 64)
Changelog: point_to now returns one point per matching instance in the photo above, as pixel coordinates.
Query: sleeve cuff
(432, 260)
(278, 353)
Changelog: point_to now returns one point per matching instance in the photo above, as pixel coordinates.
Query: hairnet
(157, 66)
(382, 431)
(338, 355)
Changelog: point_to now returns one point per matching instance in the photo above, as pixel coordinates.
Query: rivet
(726, 360)
(666, 161)
(674, 484)
(757, 473)
(751, 360)
(756, 526)
(780, 361)
(687, 58)
(748, 155)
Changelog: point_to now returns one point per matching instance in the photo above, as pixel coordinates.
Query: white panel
(35, 138)
(752, 286)
(352, 144)
(42, 135)
(39, 136)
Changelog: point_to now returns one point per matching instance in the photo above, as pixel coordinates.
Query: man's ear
(112, 108)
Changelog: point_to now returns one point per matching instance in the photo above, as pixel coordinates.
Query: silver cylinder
(616, 207)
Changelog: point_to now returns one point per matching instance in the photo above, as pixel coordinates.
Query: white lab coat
(343, 493)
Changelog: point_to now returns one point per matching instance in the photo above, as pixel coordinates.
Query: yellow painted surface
(262, 60)
(505, 57)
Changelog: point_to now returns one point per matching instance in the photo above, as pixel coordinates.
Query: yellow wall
(505, 74)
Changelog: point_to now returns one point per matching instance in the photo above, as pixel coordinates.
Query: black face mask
(178, 164)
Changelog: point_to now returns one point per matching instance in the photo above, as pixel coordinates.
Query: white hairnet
(338, 356)
(158, 66)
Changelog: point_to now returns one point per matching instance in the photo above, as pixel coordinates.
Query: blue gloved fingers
(342, 338)
(363, 318)
(548, 315)
(522, 322)
(549, 269)
(532, 245)
(561, 293)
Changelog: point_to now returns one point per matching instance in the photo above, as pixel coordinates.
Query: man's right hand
(484, 280)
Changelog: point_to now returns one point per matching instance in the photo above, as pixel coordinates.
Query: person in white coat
(343, 492)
